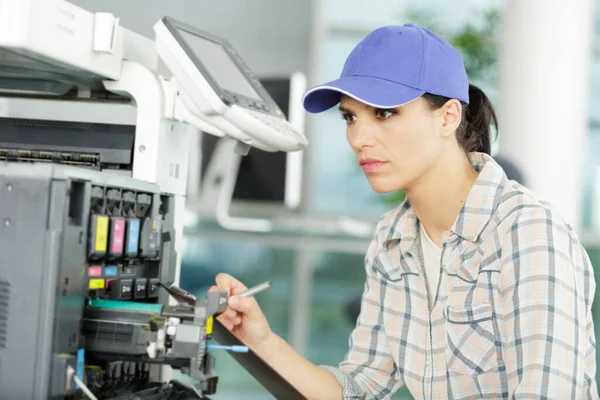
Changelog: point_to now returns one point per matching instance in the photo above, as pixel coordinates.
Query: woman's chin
(382, 185)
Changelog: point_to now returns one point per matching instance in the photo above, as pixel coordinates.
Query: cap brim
(374, 92)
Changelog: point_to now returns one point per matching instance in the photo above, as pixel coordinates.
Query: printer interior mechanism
(94, 147)
(90, 253)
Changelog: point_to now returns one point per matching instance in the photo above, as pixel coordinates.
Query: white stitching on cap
(354, 97)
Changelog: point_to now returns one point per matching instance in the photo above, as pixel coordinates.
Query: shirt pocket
(470, 340)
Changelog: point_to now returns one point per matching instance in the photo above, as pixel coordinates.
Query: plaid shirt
(512, 315)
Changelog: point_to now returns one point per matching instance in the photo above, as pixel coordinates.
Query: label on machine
(95, 271)
(209, 325)
(110, 270)
(96, 284)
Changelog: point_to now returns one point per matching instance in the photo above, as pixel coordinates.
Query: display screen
(261, 174)
(220, 65)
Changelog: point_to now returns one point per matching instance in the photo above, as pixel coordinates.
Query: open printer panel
(54, 220)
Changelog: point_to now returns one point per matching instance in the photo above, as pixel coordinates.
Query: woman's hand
(243, 316)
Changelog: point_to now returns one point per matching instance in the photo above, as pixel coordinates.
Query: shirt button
(448, 237)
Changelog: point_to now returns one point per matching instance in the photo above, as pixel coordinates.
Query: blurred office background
(540, 64)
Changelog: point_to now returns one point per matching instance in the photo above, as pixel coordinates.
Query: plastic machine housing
(46, 236)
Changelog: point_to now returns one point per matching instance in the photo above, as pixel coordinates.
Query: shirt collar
(482, 201)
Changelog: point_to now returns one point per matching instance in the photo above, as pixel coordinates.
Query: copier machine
(91, 207)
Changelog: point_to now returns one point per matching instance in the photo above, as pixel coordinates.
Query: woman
(474, 288)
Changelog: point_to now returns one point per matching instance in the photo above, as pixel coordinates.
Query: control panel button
(279, 124)
(110, 270)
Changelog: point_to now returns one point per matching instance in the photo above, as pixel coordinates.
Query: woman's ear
(451, 114)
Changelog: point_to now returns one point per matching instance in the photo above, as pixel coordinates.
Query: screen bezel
(265, 105)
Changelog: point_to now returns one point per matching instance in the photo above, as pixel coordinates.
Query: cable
(71, 373)
(235, 349)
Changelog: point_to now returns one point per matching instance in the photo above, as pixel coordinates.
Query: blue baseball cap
(393, 66)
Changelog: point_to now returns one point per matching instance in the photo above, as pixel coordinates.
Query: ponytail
(474, 134)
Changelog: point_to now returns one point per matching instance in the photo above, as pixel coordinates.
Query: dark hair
(474, 132)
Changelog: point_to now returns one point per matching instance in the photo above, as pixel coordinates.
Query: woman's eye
(384, 114)
(349, 118)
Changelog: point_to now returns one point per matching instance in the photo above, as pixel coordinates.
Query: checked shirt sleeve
(547, 286)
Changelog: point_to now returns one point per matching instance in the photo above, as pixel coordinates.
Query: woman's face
(395, 147)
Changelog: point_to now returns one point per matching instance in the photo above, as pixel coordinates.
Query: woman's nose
(360, 136)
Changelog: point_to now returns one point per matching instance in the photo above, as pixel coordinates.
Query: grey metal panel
(43, 357)
(169, 259)
(70, 290)
(24, 251)
(64, 172)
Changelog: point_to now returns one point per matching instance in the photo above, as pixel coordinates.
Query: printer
(92, 203)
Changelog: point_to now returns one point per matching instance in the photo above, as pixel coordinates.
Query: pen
(179, 294)
(255, 290)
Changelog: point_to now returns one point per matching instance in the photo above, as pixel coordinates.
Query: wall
(272, 36)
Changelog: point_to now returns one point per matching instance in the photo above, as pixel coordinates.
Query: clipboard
(256, 366)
